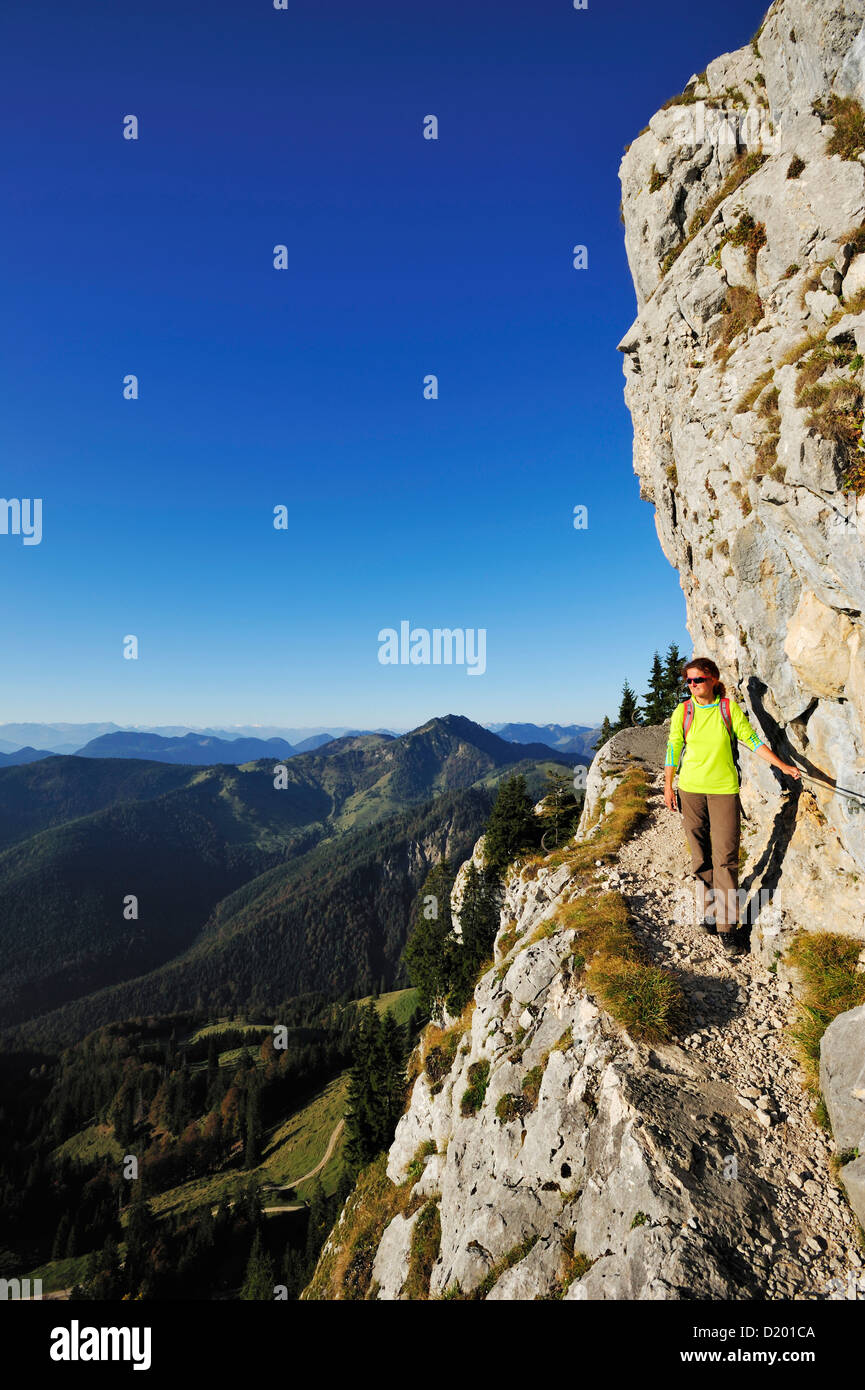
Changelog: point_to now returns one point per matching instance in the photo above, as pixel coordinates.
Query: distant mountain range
(208, 747)
(565, 738)
(192, 749)
(23, 755)
(244, 886)
(72, 738)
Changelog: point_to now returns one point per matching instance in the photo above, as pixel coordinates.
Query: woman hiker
(703, 730)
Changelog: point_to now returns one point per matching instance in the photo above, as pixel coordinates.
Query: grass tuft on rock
(426, 1239)
(832, 983)
(644, 998)
(474, 1094)
(848, 118)
(746, 165)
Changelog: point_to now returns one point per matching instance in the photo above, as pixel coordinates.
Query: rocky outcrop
(568, 1159)
(744, 375)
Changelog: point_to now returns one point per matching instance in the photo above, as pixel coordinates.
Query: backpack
(688, 719)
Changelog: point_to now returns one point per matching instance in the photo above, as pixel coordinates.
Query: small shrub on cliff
(440, 1047)
(839, 415)
(473, 1095)
(848, 118)
(747, 233)
(853, 478)
(418, 1163)
(531, 1086)
(743, 309)
(766, 454)
(754, 391)
(768, 406)
(795, 167)
(656, 180)
(574, 1264)
(510, 1107)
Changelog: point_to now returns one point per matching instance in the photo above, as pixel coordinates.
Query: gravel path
(739, 1012)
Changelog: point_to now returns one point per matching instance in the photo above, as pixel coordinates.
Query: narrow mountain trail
(328, 1154)
(738, 1014)
(296, 1182)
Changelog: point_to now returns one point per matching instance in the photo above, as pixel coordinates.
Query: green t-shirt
(707, 765)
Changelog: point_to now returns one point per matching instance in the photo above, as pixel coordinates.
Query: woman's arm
(768, 756)
(669, 794)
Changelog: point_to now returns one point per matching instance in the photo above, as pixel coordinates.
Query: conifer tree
(259, 1280)
(426, 953)
(361, 1122)
(479, 922)
(293, 1272)
(318, 1224)
(654, 700)
(628, 713)
(252, 1144)
(140, 1235)
(559, 809)
(672, 679)
(512, 827)
(605, 735)
(393, 1078)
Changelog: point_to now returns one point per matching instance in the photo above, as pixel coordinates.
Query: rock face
(738, 255)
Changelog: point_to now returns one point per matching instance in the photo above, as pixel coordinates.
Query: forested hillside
(166, 1159)
(129, 887)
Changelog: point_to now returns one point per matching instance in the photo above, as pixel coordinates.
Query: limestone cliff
(744, 211)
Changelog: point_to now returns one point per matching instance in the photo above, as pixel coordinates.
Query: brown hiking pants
(712, 826)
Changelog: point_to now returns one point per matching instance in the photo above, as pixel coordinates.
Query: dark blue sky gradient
(304, 387)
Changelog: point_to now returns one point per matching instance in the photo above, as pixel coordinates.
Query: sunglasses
(696, 680)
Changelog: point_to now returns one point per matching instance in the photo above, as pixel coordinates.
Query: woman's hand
(791, 770)
(670, 798)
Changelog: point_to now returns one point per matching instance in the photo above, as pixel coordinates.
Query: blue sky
(303, 387)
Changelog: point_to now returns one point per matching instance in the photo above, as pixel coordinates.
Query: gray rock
(391, 1263)
(842, 1077)
(842, 1082)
